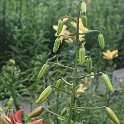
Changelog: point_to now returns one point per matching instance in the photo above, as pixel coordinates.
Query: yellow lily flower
(81, 89)
(64, 35)
(82, 29)
(65, 19)
(81, 26)
(110, 54)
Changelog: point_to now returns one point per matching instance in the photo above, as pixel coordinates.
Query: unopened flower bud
(60, 27)
(101, 41)
(84, 20)
(12, 62)
(83, 7)
(56, 45)
(4, 119)
(89, 64)
(44, 94)
(10, 102)
(81, 56)
(43, 70)
(112, 115)
(107, 82)
(35, 112)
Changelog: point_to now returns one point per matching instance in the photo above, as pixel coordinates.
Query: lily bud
(60, 27)
(35, 112)
(10, 101)
(43, 70)
(56, 45)
(4, 119)
(81, 56)
(112, 115)
(89, 64)
(83, 7)
(84, 20)
(107, 82)
(101, 41)
(44, 94)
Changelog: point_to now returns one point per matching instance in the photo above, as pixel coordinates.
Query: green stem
(62, 90)
(75, 76)
(55, 114)
(96, 74)
(57, 106)
(90, 108)
(71, 113)
(111, 69)
(67, 83)
(59, 64)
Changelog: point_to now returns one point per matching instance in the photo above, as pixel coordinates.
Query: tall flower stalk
(75, 76)
(77, 38)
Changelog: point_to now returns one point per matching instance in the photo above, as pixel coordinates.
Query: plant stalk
(75, 75)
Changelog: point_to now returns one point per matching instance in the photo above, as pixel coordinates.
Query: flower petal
(65, 19)
(12, 118)
(18, 115)
(55, 27)
(110, 54)
(40, 121)
(115, 53)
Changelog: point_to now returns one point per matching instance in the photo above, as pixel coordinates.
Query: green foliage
(27, 35)
(11, 83)
(26, 27)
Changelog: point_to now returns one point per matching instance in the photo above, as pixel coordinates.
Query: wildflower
(64, 35)
(81, 89)
(110, 54)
